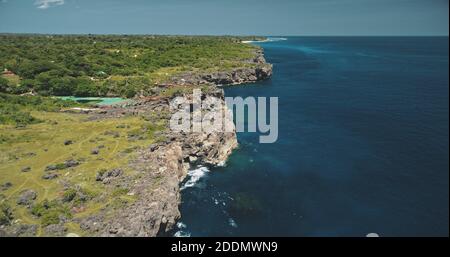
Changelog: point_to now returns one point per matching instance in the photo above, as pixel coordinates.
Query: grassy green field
(36, 146)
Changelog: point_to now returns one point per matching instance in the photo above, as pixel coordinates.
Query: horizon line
(218, 35)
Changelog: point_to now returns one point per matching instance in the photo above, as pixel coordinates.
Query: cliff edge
(164, 165)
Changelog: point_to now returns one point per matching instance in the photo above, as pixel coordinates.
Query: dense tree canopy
(97, 65)
(3, 85)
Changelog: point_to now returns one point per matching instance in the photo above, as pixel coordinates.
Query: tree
(84, 87)
(130, 92)
(61, 86)
(3, 85)
(119, 58)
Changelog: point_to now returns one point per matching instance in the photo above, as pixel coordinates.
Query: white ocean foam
(232, 223)
(181, 225)
(194, 176)
(222, 164)
(275, 39)
(270, 39)
(182, 234)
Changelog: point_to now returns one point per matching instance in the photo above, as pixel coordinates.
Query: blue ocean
(363, 145)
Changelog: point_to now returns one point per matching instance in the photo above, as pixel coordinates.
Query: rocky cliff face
(152, 189)
(257, 70)
(239, 76)
(164, 165)
(161, 168)
(157, 191)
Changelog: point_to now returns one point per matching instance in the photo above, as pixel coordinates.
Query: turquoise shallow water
(363, 145)
(97, 100)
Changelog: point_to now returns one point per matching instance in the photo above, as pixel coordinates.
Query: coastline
(270, 39)
(128, 167)
(156, 212)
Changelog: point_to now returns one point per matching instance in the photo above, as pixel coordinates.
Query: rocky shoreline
(156, 211)
(159, 169)
(258, 70)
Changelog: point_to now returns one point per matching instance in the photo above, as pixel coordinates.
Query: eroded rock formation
(163, 166)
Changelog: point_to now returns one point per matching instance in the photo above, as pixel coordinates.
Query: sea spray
(194, 176)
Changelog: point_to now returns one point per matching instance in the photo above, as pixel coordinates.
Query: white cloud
(44, 4)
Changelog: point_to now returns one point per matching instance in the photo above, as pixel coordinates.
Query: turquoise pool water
(97, 100)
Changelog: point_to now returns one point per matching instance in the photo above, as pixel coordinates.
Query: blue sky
(219, 17)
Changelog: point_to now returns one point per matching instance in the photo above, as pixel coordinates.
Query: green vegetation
(75, 193)
(69, 195)
(110, 65)
(6, 215)
(59, 155)
(50, 212)
(16, 110)
(3, 85)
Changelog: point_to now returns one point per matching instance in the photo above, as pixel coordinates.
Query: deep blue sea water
(363, 145)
